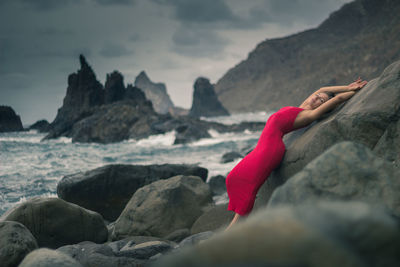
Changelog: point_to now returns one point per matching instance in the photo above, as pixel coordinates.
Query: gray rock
(216, 218)
(323, 234)
(388, 145)
(15, 243)
(178, 235)
(93, 255)
(205, 101)
(362, 119)
(195, 239)
(230, 156)
(144, 250)
(55, 222)
(217, 184)
(346, 171)
(48, 258)
(42, 126)
(164, 206)
(9, 120)
(108, 189)
(155, 92)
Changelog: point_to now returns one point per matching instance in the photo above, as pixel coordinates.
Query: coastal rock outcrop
(15, 243)
(357, 40)
(345, 171)
(91, 113)
(108, 189)
(42, 126)
(205, 101)
(155, 92)
(45, 257)
(9, 120)
(55, 222)
(365, 118)
(164, 206)
(322, 234)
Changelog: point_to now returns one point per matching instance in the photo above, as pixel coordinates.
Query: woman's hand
(357, 84)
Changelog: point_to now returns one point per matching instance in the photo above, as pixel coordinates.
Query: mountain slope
(359, 39)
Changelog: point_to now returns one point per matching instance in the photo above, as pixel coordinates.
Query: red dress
(244, 180)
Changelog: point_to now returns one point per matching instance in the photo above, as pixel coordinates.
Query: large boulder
(164, 206)
(45, 257)
(108, 189)
(15, 243)
(346, 171)
(55, 222)
(205, 101)
(9, 120)
(155, 92)
(364, 119)
(212, 220)
(321, 235)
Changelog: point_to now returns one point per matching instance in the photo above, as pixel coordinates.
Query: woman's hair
(329, 94)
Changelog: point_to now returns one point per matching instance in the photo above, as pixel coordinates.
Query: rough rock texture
(55, 222)
(114, 88)
(217, 184)
(230, 156)
(364, 119)
(93, 114)
(346, 171)
(93, 255)
(9, 120)
(214, 219)
(323, 234)
(358, 40)
(45, 257)
(15, 243)
(42, 126)
(155, 92)
(108, 189)
(164, 206)
(388, 146)
(205, 102)
(84, 93)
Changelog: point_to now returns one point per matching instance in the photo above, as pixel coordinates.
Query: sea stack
(205, 102)
(155, 92)
(9, 120)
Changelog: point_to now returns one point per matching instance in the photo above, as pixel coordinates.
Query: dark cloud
(44, 5)
(115, 2)
(135, 37)
(197, 42)
(205, 11)
(114, 50)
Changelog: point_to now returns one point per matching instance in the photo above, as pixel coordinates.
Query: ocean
(29, 167)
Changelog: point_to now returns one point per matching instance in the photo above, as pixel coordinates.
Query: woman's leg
(235, 218)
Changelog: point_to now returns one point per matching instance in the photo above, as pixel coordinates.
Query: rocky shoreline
(333, 201)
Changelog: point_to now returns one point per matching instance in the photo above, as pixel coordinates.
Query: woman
(244, 180)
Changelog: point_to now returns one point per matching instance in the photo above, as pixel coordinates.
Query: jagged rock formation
(9, 120)
(155, 92)
(93, 114)
(360, 39)
(205, 102)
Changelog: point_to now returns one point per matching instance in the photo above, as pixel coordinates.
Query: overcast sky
(174, 41)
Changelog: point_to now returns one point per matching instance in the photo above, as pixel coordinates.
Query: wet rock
(108, 189)
(214, 219)
(230, 156)
(45, 257)
(164, 206)
(55, 222)
(15, 243)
